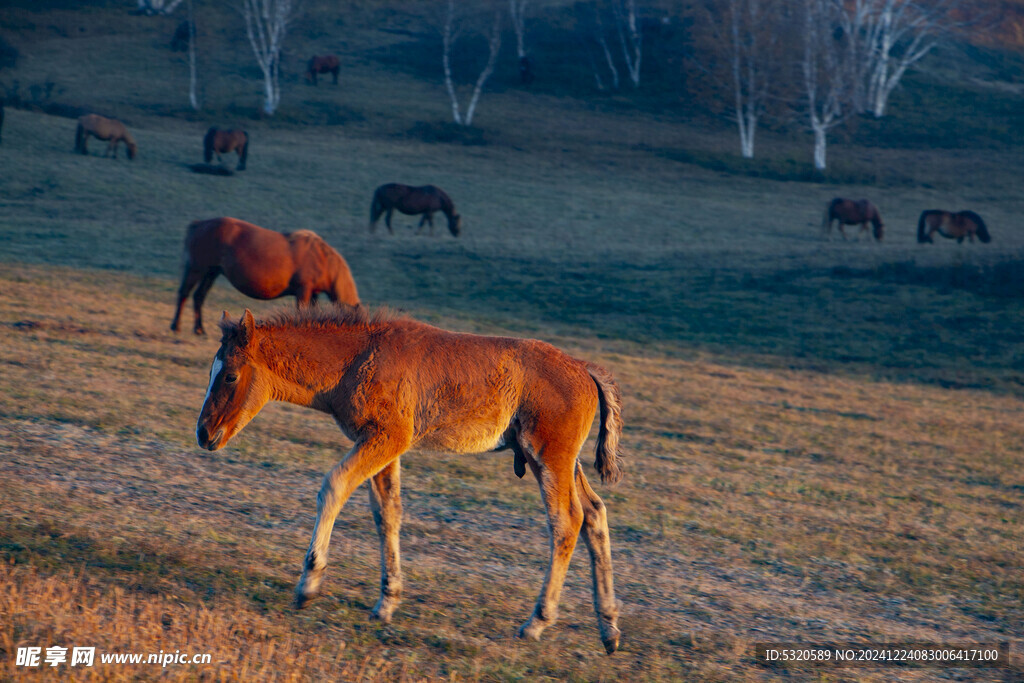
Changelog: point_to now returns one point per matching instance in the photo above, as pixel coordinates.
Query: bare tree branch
(266, 24)
(449, 33)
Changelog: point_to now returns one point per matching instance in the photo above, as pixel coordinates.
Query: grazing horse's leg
(200, 296)
(419, 228)
(553, 466)
(387, 220)
(368, 457)
(189, 279)
(595, 535)
(386, 504)
(842, 229)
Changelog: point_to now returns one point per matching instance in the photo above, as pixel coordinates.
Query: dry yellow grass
(759, 505)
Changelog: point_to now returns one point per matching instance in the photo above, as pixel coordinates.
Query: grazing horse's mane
(334, 317)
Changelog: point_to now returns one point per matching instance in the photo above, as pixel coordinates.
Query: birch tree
(885, 39)
(825, 75)
(751, 35)
(630, 37)
(193, 98)
(517, 12)
(161, 7)
(450, 32)
(266, 24)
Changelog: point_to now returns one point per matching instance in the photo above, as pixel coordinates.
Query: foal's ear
(227, 326)
(247, 326)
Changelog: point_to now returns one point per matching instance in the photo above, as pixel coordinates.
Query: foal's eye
(231, 378)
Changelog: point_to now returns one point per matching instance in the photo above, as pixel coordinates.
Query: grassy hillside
(822, 436)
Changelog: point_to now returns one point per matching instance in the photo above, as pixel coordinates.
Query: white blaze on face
(218, 365)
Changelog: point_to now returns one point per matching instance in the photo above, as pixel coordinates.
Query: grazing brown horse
(851, 212)
(412, 201)
(393, 384)
(103, 128)
(225, 141)
(262, 264)
(322, 64)
(952, 225)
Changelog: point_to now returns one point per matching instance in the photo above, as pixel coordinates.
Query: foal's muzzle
(208, 441)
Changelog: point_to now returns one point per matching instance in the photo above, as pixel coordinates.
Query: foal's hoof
(200, 331)
(302, 599)
(532, 629)
(611, 639)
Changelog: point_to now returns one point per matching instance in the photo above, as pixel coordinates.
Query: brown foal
(393, 384)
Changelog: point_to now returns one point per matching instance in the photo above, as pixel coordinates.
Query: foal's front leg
(386, 503)
(368, 457)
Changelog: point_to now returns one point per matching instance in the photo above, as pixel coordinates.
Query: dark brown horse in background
(851, 212)
(413, 201)
(217, 141)
(103, 128)
(322, 64)
(951, 225)
(260, 263)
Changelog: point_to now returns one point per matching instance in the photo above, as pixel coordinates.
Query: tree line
(819, 61)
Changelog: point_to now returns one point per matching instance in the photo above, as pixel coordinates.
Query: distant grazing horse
(394, 384)
(412, 201)
(103, 128)
(851, 212)
(322, 64)
(262, 264)
(224, 141)
(952, 225)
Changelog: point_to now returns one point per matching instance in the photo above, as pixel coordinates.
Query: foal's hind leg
(554, 471)
(386, 504)
(595, 535)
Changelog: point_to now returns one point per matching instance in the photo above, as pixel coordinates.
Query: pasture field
(823, 438)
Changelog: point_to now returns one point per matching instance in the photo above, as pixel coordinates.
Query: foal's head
(239, 386)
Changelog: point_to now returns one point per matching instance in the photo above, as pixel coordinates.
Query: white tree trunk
(448, 36)
(266, 23)
(517, 10)
(193, 98)
(630, 38)
(820, 141)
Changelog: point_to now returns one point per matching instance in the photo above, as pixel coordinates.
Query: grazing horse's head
(455, 224)
(238, 388)
(132, 148)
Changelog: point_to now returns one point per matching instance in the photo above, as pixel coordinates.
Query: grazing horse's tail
(982, 231)
(243, 154)
(80, 138)
(208, 144)
(610, 429)
(826, 221)
(921, 222)
(376, 209)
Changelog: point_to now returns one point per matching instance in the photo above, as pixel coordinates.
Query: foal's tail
(376, 209)
(610, 429)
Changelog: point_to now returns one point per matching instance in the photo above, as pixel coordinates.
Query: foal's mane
(334, 317)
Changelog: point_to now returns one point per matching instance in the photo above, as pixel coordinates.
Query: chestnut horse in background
(413, 201)
(394, 384)
(103, 128)
(260, 263)
(851, 212)
(322, 64)
(951, 225)
(217, 141)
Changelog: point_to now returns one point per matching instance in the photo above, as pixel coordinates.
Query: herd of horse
(957, 226)
(393, 384)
